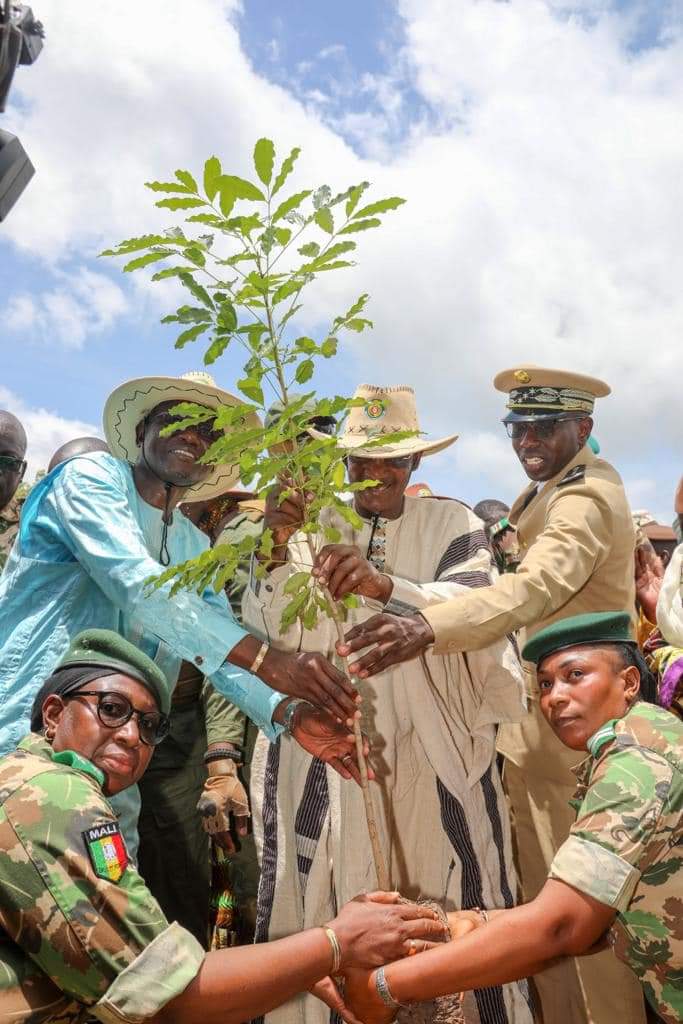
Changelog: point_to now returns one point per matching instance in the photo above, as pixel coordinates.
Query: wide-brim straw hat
(132, 401)
(386, 411)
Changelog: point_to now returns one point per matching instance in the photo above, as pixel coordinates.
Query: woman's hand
(328, 740)
(377, 928)
(362, 999)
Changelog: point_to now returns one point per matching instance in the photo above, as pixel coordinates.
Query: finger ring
(347, 758)
(413, 947)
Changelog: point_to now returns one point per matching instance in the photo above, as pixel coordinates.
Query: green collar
(605, 734)
(34, 743)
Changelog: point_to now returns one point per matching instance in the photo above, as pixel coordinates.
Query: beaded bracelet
(223, 754)
(384, 992)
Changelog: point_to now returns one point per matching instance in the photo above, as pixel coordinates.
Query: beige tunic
(432, 726)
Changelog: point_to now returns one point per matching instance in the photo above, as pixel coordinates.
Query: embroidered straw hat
(387, 411)
(131, 402)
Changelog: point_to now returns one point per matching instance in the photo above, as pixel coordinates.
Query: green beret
(592, 628)
(102, 647)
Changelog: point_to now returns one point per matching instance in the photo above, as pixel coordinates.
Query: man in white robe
(432, 724)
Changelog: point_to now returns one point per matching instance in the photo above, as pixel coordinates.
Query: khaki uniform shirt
(577, 542)
(626, 846)
(80, 933)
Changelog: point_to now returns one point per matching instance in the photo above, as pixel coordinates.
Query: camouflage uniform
(626, 846)
(79, 936)
(9, 527)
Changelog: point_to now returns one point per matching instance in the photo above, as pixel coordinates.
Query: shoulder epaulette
(574, 476)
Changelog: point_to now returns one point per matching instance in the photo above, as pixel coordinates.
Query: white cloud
(544, 191)
(85, 303)
(46, 430)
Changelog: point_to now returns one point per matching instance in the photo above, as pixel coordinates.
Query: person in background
(80, 933)
(677, 524)
(576, 539)
(77, 446)
(433, 723)
(664, 649)
(13, 444)
(501, 535)
(618, 877)
(98, 527)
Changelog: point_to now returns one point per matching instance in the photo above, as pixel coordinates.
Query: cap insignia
(522, 376)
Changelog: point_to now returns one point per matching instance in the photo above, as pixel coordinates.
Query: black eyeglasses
(543, 429)
(204, 429)
(114, 710)
(11, 464)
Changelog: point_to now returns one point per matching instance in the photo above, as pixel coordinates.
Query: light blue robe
(86, 544)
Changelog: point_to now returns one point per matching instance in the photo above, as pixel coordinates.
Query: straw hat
(131, 402)
(387, 411)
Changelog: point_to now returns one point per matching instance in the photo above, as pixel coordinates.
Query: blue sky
(535, 143)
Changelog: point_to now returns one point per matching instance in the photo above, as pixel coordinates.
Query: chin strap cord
(167, 519)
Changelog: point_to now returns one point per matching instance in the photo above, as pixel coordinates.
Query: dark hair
(491, 510)
(630, 655)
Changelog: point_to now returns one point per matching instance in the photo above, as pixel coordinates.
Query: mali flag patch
(107, 851)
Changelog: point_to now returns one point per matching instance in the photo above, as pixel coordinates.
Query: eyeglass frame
(12, 464)
(164, 720)
(533, 424)
(207, 432)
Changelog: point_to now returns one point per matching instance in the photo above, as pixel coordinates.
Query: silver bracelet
(384, 992)
(290, 711)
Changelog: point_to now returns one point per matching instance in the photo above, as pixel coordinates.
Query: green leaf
(285, 170)
(135, 244)
(339, 476)
(329, 348)
(354, 195)
(170, 272)
(264, 158)
(381, 206)
(206, 218)
(196, 254)
(180, 204)
(358, 324)
(289, 314)
(296, 582)
(251, 387)
(290, 204)
(310, 249)
(306, 345)
(304, 371)
(240, 188)
(324, 219)
(322, 197)
(187, 315)
(187, 180)
(190, 334)
(332, 534)
(197, 290)
(216, 348)
(142, 261)
(227, 316)
(360, 225)
(350, 601)
(285, 290)
(212, 174)
(282, 235)
(166, 186)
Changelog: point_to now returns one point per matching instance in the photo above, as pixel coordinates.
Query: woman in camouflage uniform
(81, 935)
(618, 876)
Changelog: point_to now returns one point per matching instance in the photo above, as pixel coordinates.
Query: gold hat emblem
(522, 376)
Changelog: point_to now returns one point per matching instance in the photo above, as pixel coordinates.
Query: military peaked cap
(536, 392)
(102, 648)
(592, 628)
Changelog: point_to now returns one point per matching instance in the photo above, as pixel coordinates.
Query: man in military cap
(576, 541)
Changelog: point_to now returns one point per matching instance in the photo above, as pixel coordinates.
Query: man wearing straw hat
(576, 541)
(442, 815)
(98, 527)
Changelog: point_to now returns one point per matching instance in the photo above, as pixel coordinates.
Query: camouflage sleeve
(75, 906)
(619, 825)
(224, 721)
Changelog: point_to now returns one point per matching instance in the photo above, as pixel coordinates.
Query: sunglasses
(204, 429)
(11, 464)
(114, 710)
(542, 429)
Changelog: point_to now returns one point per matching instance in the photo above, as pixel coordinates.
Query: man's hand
(223, 795)
(343, 570)
(328, 740)
(649, 576)
(377, 928)
(396, 638)
(312, 677)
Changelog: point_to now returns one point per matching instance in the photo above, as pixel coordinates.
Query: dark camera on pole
(21, 40)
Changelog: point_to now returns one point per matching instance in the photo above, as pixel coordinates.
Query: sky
(538, 146)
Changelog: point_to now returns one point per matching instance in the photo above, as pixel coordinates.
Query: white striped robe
(432, 724)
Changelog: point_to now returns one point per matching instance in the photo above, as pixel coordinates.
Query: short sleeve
(90, 935)
(617, 827)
